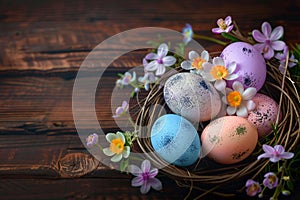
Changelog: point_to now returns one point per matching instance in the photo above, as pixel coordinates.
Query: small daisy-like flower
(282, 59)
(145, 177)
(160, 60)
(218, 72)
(223, 25)
(275, 154)
(268, 40)
(195, 61)
(239, 101)
(117, 148)
(187, 33)
(92, 140)
(271, 180)
(253, 188)
(121, 110)
(126, 79)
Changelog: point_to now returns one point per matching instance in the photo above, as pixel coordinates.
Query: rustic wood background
(43, 43)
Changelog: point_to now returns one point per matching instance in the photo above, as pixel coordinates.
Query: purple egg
(251, 66)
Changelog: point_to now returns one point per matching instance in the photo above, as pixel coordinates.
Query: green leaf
(124, 165)
(229, 37)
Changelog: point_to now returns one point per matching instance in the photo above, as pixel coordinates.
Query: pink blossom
(224, 25)
(253, 188)
(275, 154)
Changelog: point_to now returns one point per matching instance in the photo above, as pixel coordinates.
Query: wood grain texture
(43, 44)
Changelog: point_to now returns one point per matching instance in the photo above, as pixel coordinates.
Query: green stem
(100, 147)
(132, 123)
(135, 158)
(203, 37)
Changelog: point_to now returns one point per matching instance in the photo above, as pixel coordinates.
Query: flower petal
(108, 152)
(224, 99)
(259, 47)
(268, 149)
(152, 66)
(145, 62)
(116, 158)
(242, 111)
(274, 159)
(232, 77)
(169, 61)
(269, 54)
(119, 111)
(133, 77)
(258, 36)
(137, 181)
(287, 155)
(208, 76)
(220, 85)
(266, 29)
(228, 29)
(278, 45)
(231, 67)
(207, 66)
(250, 105)
(151, 56)
(264, 155)
(121, 136)
(110, 136)
(146, 165)
(155, 184)
(237, 86)
(135, 170)
(228, 20)
(249, 93)
(162, 50)
(277, 33)
(205, 55)
(126, 151)
(186, 65)
(124, 104)
(218, 61)
(217, 30)
(193, 55)
(231, 110)
(145, 187)
(153, 172)
(279, 149)
(160, 70)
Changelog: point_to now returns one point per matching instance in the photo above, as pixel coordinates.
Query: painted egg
(229, 139)
(175, 140)
(190, 96)
(251, 65)
(264, 114)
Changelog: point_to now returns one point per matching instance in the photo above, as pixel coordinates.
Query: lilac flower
(160, 60)
(271, 180)
(121, 110)
(92, 140)
(282, 59)
(269, 40)
(239, 101)
(195, 61)
(117, 148)
(127, 79)
(147, 79)
(253, 188)
(187, 33)
(145, 177)
(275, 154)
(224, 25)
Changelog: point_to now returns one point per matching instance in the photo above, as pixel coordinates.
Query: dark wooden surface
(43, 43)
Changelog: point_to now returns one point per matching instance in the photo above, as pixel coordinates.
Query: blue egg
(175, 140)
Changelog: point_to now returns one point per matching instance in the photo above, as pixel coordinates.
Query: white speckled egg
(175, 140)
(251, 65)
(190, 96)
(229, 139)
(264, 114)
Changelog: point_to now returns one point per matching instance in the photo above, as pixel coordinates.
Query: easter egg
(251, 66)
(264, 114)
(175, 140)
(190, 96)
(229, 139)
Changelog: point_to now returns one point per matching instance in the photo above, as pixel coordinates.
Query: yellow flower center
(197, 63)
(219, 72)
(234, 99)
(222, 24)
(117, 146)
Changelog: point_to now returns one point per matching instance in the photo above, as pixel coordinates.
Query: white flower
(218, 72)
(117, 147)
(147, 79)
(195, 61)
(160, 60)
(239, 101)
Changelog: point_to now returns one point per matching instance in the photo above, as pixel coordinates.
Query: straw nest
(226, 180)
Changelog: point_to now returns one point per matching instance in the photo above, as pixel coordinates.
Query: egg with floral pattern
(175, 140)
(190, 96)
(250, 64)
(264, 115)
(229, 139)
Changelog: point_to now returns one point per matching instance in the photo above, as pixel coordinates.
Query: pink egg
(251, 66)
(229, 139)
(264, 114)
